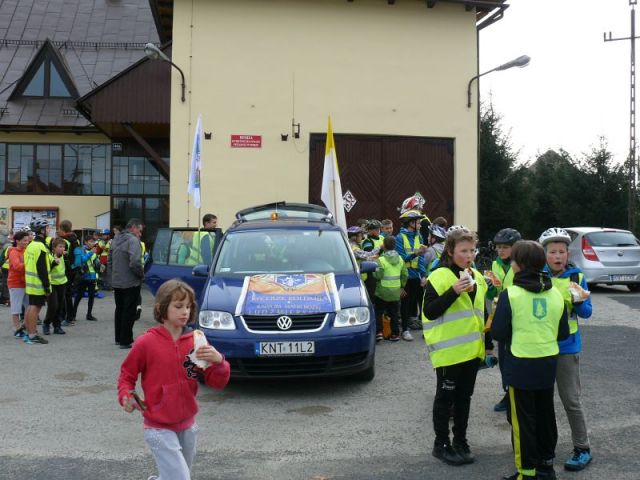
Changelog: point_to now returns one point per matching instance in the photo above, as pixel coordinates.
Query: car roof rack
(286, 211)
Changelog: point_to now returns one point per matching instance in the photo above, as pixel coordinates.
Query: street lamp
(154, 53)
(521, 61)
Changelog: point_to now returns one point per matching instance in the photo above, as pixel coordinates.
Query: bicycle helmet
(454, 228)
(38, 225)
(411, 215)
(25, 229)
(354, 230)
(105, 231)
(437, 231)
(507, 236)
(373, 224)
(554, 234)
(414, 202)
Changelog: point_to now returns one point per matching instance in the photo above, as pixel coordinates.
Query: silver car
(606, 255)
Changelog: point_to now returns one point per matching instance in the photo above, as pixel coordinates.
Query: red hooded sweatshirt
(169, 378)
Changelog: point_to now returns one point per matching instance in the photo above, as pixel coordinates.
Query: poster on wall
(23, 216)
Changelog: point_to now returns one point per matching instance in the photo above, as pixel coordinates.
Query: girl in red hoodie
(16, 280)
(170, 381)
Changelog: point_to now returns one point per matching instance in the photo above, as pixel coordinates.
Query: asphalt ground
(59, 416)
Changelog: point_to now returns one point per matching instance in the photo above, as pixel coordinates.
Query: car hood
(223, 292)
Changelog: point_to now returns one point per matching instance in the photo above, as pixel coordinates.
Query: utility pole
(633, 181)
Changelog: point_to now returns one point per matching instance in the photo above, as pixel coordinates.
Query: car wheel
(368, 374)
(634, 288)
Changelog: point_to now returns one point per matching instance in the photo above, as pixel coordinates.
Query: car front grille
(296, 366)
(258, 323)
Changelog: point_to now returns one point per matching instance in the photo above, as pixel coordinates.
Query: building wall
(375, 68)
(80, 209)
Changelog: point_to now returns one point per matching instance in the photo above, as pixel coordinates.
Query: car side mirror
(368, 267)
(200, 271)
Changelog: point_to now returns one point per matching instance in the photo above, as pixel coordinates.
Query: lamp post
(154, 53)
(520, 62)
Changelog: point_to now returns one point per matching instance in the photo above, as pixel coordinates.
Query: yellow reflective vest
(196, 246)
(411, 249)
(31, 256)
(457, 336)
(535, 318)
(505, 278)
(562, 284)
(5, 265)
(392, 273)
(58, 273)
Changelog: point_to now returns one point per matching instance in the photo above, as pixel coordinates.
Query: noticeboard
(23, 216)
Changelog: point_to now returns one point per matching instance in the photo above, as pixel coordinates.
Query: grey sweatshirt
(124, 261)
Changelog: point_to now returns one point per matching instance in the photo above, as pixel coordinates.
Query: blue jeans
(173, 451)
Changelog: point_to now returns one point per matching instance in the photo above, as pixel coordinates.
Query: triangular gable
(47, 76)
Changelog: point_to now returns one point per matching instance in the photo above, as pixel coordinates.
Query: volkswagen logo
(620, 253)
(284, 322)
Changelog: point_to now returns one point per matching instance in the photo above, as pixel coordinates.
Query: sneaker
(379, 337)
(91, 318)
(19, 333)
(463, 450)
(579, 460)
(59, 331)
(46, 329)
(448, 455)
(153, 477)
(545, 473)
(415, 324)
(406, 335)
(394, 338)
(517, 476)
(501, 406)
(35, 340)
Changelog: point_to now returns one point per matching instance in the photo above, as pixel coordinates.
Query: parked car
(283, 296)
(606, 255)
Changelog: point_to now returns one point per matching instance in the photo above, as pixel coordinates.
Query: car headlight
(216, 320)
(351, 317)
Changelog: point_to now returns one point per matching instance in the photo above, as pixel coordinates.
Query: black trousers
(455, 388)
(126, 302)
(88, 286)
(68, 296)
(534, 433)
(409, 304)
(390, 308)
(55, 304)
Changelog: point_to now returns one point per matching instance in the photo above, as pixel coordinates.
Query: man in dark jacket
(127, 273)
(530, 319)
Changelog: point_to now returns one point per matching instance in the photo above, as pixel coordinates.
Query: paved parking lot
(60, 418)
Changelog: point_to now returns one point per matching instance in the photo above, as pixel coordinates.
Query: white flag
(331, 186)
(194, 171)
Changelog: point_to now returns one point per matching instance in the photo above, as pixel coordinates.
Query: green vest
(562, 284)
(535, 318)
(31, 255)
(5, 265)
(354, 248)
(505, 277)
(409, 249)
(196, 248)
(58, 272)
(457, 336)
(377, 242)
(392, 273)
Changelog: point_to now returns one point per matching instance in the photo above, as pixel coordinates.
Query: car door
(173, 256)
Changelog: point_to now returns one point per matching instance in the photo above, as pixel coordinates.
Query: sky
(576, 87)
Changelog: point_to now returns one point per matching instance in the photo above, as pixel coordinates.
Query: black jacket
(525, 373)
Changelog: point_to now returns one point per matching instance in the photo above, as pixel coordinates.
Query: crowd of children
(56, 272)
(538, 297)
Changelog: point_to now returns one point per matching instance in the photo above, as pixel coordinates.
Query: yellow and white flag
(331, 187)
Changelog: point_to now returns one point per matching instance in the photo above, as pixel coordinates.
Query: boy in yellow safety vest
(453, 325)
(55, 305)
(530, 319)
(570, 280)
(391, 276)
(37, 267)
(87, 260)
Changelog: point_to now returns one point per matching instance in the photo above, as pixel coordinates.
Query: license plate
(623, 278)
(275, 349)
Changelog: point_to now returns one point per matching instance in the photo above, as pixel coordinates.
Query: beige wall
(375, 68)
(81, 210)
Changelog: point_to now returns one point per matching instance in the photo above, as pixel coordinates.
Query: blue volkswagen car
(282, 297)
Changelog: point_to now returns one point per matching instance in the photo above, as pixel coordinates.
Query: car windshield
(612, 239)
(284, 251)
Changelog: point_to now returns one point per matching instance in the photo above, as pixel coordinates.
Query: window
(46, 77)
(81, 169)
(137, 175)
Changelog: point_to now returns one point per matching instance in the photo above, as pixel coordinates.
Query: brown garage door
(381, 171)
